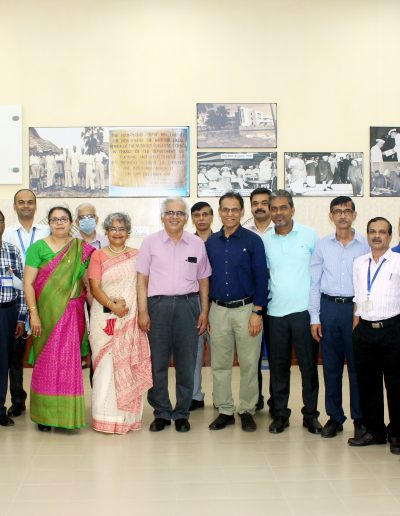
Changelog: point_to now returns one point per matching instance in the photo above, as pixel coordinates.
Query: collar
(268, 228)
(357, 236)
(237, 234)
(165, 237)
(388, 255)
(18, 226)
(295, 229)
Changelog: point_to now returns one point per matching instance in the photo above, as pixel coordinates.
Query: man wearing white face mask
(86, 219)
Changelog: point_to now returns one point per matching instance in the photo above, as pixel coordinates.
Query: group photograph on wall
(385, 161)
(324, 174)
(236, 125)
(241, 172)
(99, 161)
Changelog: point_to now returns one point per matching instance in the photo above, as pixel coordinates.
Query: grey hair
(173, 199)
(123, 217)
(85, 205)
(282, 193)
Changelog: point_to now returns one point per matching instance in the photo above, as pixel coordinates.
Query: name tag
(6, 282)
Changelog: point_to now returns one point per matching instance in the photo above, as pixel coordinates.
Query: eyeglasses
(200, 215)
(346, 212)
(171, 213)
(117, 230)
(81, 217)
(234, 211)
(2, 221)
(56, 220)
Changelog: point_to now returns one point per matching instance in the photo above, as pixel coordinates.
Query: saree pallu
(57, 395)
(120, 353)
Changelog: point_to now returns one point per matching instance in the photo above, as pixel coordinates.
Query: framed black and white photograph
(109, 161)
(241, 172)
(324, 174)
(236, 125)
(385, 161)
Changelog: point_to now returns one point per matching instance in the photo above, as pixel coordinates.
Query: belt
(338, 299)
(7, 305)
(378, 325)
(180, 296)
(233, 304)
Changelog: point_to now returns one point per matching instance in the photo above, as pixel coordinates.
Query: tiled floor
(225, 473)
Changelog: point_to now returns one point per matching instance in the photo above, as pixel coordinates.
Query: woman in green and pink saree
(55, 294)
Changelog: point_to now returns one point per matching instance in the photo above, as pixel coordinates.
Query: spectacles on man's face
(57, 220)
(90, 216)
(171, 213)
(114, 229)
(2, 221)
(347, 212)
(201, 215)
(234, 211)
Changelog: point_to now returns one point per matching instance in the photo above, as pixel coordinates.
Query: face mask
(87, 225)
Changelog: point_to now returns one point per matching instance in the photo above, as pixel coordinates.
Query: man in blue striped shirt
(12, 312)
(331, 311)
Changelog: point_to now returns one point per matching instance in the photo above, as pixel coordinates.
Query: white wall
(331, 65)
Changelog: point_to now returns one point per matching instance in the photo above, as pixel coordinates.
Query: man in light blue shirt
(331, 311)
(289, 248)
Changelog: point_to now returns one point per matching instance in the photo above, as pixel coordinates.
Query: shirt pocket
(190, 270)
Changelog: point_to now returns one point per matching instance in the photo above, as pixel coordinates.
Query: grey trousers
(173, 331)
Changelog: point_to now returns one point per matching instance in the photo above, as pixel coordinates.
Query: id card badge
(6, 282)
(367, 306)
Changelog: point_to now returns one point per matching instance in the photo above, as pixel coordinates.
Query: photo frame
(236, 125)
(324, 174)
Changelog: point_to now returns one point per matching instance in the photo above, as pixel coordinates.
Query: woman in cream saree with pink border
(120, 350)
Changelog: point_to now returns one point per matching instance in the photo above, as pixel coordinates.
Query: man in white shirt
(259, 203)
(86, 219)
(22, 235)
(376, 341)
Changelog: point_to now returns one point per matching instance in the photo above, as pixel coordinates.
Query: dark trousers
(18, 395)
(8, 323)
(377, 358)
(337, 346)
(173, 330)
(283, 331)
(270, 401)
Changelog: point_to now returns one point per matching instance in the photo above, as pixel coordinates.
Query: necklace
(117, 252)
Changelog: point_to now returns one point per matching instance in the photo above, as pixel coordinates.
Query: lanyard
(369, 282)
(21, 242)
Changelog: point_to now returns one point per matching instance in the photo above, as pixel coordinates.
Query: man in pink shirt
(173, 271)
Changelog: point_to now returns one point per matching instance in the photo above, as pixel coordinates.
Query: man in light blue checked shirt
(331, 311)
(13, 312)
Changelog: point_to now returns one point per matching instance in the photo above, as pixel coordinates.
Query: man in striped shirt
(331, 311)
(12, 312)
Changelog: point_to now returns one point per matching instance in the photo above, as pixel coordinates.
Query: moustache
(377, 240)
(260, 211)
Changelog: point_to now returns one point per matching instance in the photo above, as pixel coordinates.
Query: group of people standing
(68, 168)
(232, 285)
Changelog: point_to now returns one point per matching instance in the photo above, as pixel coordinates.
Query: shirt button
(226, 283)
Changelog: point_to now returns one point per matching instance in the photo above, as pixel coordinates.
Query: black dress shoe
(248, 423)
(395, 445)
(182, 425)
(221, 422)
(44, 428)
(312, 424)
(359, 429)
(365, 440)
(16, 409)
(159, 424)
(6, 421)
(196, 404)
(331, 428)
(278, 425)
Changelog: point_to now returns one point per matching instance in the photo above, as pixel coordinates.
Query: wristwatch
(258, 312)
